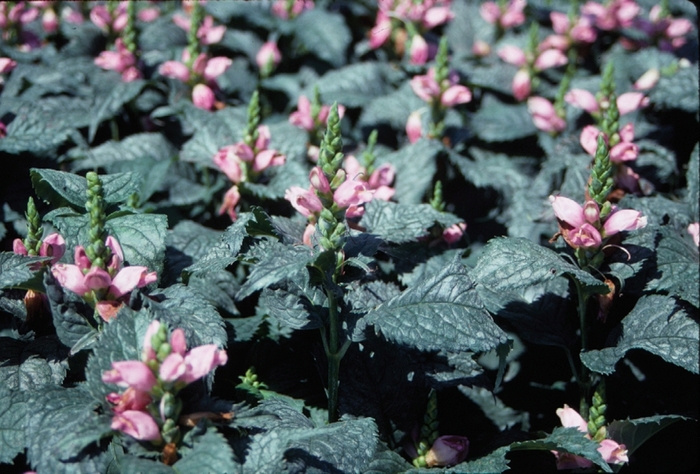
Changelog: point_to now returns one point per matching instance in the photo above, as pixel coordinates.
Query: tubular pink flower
(172, 368)
(490, 12)
(178, 343)
(137, 424)
(623, 220)
(694, 231)
(216, 67)
(513, 15)
(589, 139)
(199, 64)
(568, 210)
(131, 74)
(97, 279)
(203, 97)
(304, 200)
(131, 399)
(585, 236)
(381, 31)
(19, 248)
(70, 277)
(302, 117)
(544, 116)
(414, 127)
(228, 161)
(308, 233)
(647, 80)
(148, 15)
(175, 70)
(419, 50)
(558, 42)
(100, 16)
(263, 137)
(550, 58)
(231, 199)
(352, 192)
(447, 451)
(268, 56)
(129, 278)
(631, 101)
(512, 55)
(624, 151)
(130, 373)
(570, 418)
(613, 452)
(481, 48)
(522, 85)
(454, 233)
(454, 95)
(7, 65)
(425, 86)
(319, 181)
(267, 158)
(208, 33)
(202, 360)
(147, 353)
(582, 99)
(560, 22)
(382, 176)
(436, 16)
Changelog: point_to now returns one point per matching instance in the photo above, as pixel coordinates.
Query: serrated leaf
(657, 326)
(209, 452)
(443, 312)
(386, 461)
(352, 85)
(677, 261)
(225, 127)
(279, 263)
(692, 177)
(132, 148)
(290, 309)
(504, 417)
(58, 187)
(324, 34)
(109, 106)
(412, 186)
(392, 109)
(67, 312)
(498, 122)
(509, 264)
(400, 223)
(634, 433)
(497, 170)
(133, 464)
(568, 440)
(66, 414)
(31, 366)
(13, 416)
(141, 237)
(14, 269)
(678, 91)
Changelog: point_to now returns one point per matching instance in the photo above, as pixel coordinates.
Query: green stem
(334, 356)
(585, 374)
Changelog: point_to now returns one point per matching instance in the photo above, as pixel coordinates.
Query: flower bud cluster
(289, 9)
(148, 409)
(405, 22)
(504, 15)
(15, 18)
(312, 116)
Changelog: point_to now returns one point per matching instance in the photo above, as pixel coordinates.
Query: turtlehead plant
(397, 236)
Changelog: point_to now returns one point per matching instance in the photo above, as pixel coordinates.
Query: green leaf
(634, 433)
(185, 244)
(142, 238)
(678, 91)
(494, 462)
(323, 34)
(443, 312)
(181, 307)
(657, 326)
(208, 452)
(67, 310)
(109, 106)
(66, 415)
(353, 85)
(510, 264)
(498, 122)
(677, 261)
(386, 461)
(31, 366)
(14, 269)
(132, 148)
(412, 186)
(692, 177)
(134, 464)
(13, 415)
(567, 440)
(278, 263)
(400, 223)
(497, 170)
(392, 109)
(225, 127)
(60, 188)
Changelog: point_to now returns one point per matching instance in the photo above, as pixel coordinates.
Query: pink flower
(203, 97)
(490, 12)
(427, 88)
(131, 399)
(352, 193)
(54, 246)
(49, 21)
(147, 353)
(447, 451)
(436, 16)
(623, 220)
(522, 85)
(319, 181)
(512, 55)
(175, 70)
(582, 99)
(419, 50)
(694, 231)
(512, 15)
(574, 223)
(268, 57)
(302, 118)
(414, 127)
(131, 74)
(130, 373)
(544, 116)
(560, 22)
(454, 233)
(215, 67)
(207, 32)
(231, 199)
(625, 150)
(611, 451)
(193, 366)
(647, 80)
(381, 31)
(279, 8)
(7, 65)
(631, 101)
(550, 58)
(118, 60)
(481, 48)
(304, 200)
(137, 424)
(148, 15)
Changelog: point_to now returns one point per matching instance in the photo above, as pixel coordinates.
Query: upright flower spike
(96, 250)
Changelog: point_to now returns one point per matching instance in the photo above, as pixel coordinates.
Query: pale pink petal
(137, 424)
(202, 360)
(304, 200)
(414, 127)
(216, 67)
(126, 280)
(70, 277)
(512, 55)
(454, 233)
(54, 246)
(178, 341)
(570, 418)
(381, 31)
(560, 22)
(550, 58)
(437, 16)
(627, 132)
(130, 373)
(631, 101)
(694, 231)
(582, 99)
(490, 12)
(97, 279)
(231, 199)
(568, 210)
(425, 87)
(175, 70)
(148, 353)
(263, 138)
(623, 220)
(647, 80)
(19, 248)
(382, 176)
(624, 151)
(319, 181)
(172, 368)
(589, 139)
(612, 452)
(203, 97)
(447, 451)
(455, 95)
(419, 50)
(522, 85)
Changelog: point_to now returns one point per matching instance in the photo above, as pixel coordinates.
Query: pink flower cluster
(522, 81)
(626, 103)
(304, 118)
(611, 451)
(544, 115)
(134, 409)
(207, 32)
(19, 15)
(614, 15)
(286, 10)
(240, 162)
(202, 73)
(379, 181)
(268, 58)
(6, 66)
(567, 32)
(507, 16)
(423, 16)
(122, 60)
(116, 21)
(666, 32)
(106, 289)
(54, 246)
(581, 227)
(447, 94)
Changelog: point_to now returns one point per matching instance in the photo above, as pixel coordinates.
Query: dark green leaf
(498, 122)
(142, 238)
(692, 177)
(392, 109)
(504, 417)
(678, 91)
(443, 312)
(323, 34)
(68, 312)
(411, 186)
(634, 433)
(30, 366)
(224, 128)
(677, 261)
(353, 85)
(400, 223)
(110, 105)
(132, 148)
(59, 188)
(657, 326)
(209, 452)
(13, 416)
(289, 308)
(14, 269)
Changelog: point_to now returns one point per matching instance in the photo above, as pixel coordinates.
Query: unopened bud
(338, 179)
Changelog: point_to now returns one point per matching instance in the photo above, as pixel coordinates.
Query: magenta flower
(231, 199)
(203, 97)
(319, 181)
(379, 181)
(131, 399)
(304, 200)
(418, 52)
(381, 31)
(508, 16)
(303, 118)
(454, 233)
(137, 424)
(122, 60)
(449, 94)
(193, 366)
(447, 451)
(544, 115)
(522, 85)
(54, 246)
(610, 450)
(207, 32)
(622, 220)
(130, 373)
(351, 195)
